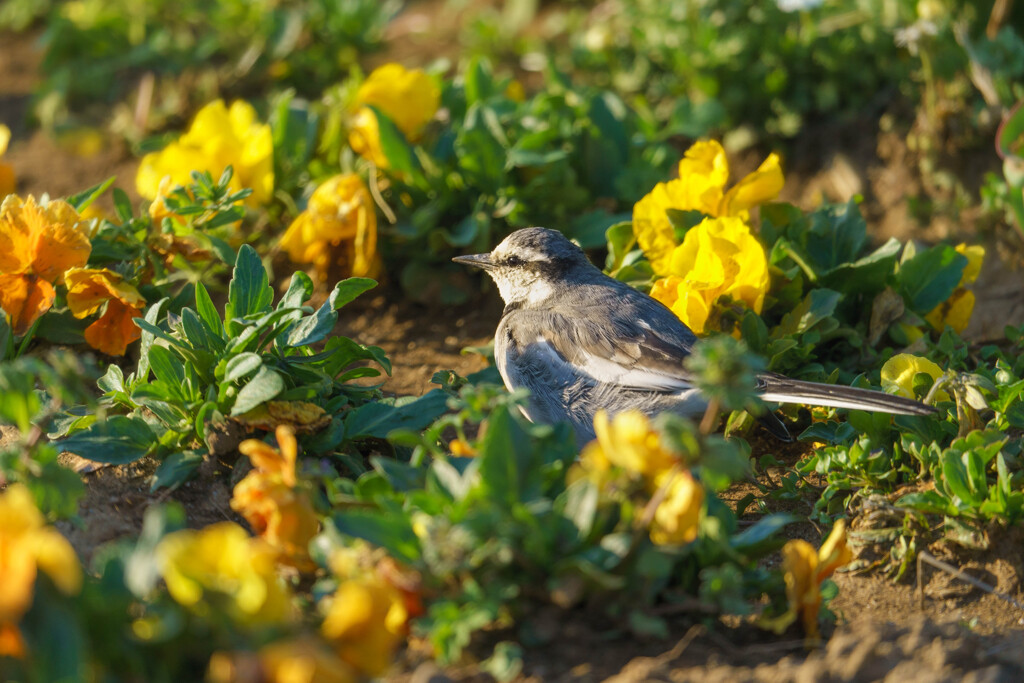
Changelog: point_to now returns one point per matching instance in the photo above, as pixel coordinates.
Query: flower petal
(763, 185)
(25, 298)
(115, 329)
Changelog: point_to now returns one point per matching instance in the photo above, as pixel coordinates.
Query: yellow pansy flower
(8, 180)
(975, 254)
(629, 442)
(718, 257)
(408, 97)
(366, 622)
(218, 137)
(805, 569)
(703, 174)
(37, 244)
(677, 517)
(338, 225)
(27, 546)
(626, 441)
(222, 567)
(899, 371)
(956, 310)
(277, 509)
(91, 288)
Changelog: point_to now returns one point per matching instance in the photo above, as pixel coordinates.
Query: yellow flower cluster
(7, 177)
(409, 98)
(218, 137)
(27, 546)
(719, 256)
(338, 225)
(222, 567)
(270, 498)
(365, 623)
(628, 442)
(956, 311)
(805, 569)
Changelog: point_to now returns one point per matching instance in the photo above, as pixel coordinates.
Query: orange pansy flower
(37, 244)
(88, 290)
(274, 503)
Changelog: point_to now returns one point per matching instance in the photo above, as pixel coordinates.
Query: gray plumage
(581, 341)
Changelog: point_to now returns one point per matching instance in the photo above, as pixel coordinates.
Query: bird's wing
(610, 349)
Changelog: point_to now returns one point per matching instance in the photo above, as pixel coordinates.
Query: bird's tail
(779, 389)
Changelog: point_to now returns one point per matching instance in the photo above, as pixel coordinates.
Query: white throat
(532, 293)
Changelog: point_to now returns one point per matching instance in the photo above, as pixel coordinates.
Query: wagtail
(581, 341)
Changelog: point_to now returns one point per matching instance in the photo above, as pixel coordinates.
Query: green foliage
(197, 367)
(97, 50)
(516, 525)
(33, 393)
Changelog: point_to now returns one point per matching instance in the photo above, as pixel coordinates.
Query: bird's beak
(476, 260)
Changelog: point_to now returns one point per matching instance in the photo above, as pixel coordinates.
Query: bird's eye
(513, 260)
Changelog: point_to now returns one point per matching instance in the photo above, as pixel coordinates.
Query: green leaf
(207, 311)
(117, 440)
(954, 476)
(579, 505)
(153, 314)
(242, 365)
(829, 432)
(300, 288)
(591, 229)
(348, 289)
(509, 465)
(122, 205)
(867, 274)
(249, 291)
(393, 143)
(379, 418)
(621, 239)
(929, 502)
(168, 368)
(479, 80)
(480, 152)
(83, 199)
(760, 538)
(836, 235)
(390, 530)
(928, 278)
(314, 328)
(264, 386)
(816, 306)
(176, 469)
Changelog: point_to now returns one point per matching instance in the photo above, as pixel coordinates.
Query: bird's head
(531, 264)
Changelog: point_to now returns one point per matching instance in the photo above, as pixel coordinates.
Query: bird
(581, 341)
